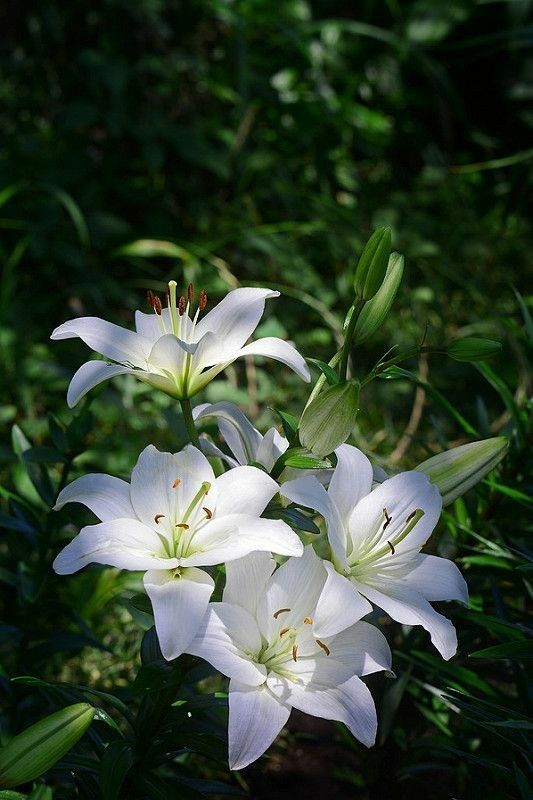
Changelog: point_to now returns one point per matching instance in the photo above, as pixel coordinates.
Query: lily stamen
(158, 517)
(283, 631)
(182, 525)
(280, 611)
(308, 620)
(324, 647)
(202, 301)
(176, 483)
(208, 512)
(295, 652)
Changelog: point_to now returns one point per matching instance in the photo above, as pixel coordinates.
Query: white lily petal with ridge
(375, 537)
(262, 636)
(173, 352)
(173, 518)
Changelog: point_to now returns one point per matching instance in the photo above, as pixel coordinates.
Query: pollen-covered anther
(158, 517)
(280, 611)
(388, 519)
(283, 631)
(202, 301)
(158, 308)
(182, 525)
(295, 652)
(308, 620)
(412, 515)
(182, 305)
(324, 647)
(391, 547)
(208, 512)
(190, 292)
(150, 298)
(176, 483)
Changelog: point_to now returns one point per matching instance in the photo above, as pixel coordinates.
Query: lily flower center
(288, 645)
(177, 531)
(376, 550)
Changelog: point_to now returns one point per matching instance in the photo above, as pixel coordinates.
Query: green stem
(357, 308)
(411, 353)
(189, 422)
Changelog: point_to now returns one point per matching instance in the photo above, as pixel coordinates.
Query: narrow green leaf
(329, 373)
(512, 650)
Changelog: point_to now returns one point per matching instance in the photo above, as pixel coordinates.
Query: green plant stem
(189, 422)
(343, 369)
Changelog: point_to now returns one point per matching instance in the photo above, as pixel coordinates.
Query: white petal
(234, 320)
(246, 579)
(349, 702)
(110, 340)
(351, 479)
(279, 350)
(149, 326)
(244, 490)
(104, 495)
(179, 605)
(308, 492)
(211, 450)
(238, 432)
(410, 608)
(236, 535)
(227, 638)
(271, 447)
(90, 375)
(169, 353)
(400, 496)
(362, 648)
(296, 586)
(153, 489)
(437, 579)
(339, 606)
(121, 543)
(255, 719)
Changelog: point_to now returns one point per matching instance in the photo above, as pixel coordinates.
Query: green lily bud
(38, 748)
(372, 264)
(329, 419)
(457, 470)
(473, 349)
(374, 313)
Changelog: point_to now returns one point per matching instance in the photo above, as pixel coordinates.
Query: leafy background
(247, 142)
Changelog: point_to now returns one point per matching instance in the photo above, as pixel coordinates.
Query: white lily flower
(173, 352)
(173, 518)
(375, 537)
(262, 637)
(244, 441)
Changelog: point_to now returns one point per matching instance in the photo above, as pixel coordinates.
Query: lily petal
(233, 321)
(179, 605)
(107, 497)
(255, 719)
(339, 606)
(409, 607)
(279, 350)
(210, 449)
(437, 579)
(90, 375)
(270, 449)
(236, 535)
(226, 637)
(351, 479)
(120, 543)
(308, 492)
(244, 490)
(361, 647)
(237, 430)
(105, 338)
(246, 579)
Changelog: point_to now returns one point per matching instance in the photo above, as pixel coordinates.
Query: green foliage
(228, 143)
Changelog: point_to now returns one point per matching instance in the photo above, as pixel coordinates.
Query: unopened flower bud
(372, 264)
(374, 313)
(455, 471)
(473, 349)
(329, 419)
(38, 748)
